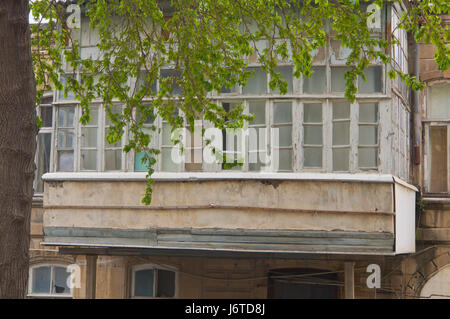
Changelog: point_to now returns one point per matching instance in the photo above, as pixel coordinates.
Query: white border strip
(204, 176)
(230, 250)
(404, 184)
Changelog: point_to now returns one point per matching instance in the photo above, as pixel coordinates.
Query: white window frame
(375, 124)
(31, 294)
(296, 97)
(154, 143)
(301, 131)
(75, 139)
(101, 136)
(99, 143)
(45, 130)
(272, 125)
(103, 115)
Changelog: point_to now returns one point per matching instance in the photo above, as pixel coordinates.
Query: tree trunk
(17, 146)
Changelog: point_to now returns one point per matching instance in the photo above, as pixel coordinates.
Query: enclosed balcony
(282, 213)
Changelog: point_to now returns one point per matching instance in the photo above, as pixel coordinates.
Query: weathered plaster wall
(85, 204)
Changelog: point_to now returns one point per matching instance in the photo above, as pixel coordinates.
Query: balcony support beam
(91, 276)
(349, 274)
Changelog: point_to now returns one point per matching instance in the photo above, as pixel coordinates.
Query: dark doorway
(302, 283)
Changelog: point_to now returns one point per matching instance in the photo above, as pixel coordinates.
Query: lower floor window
(150, 282)
(438, 154)
(49, 281)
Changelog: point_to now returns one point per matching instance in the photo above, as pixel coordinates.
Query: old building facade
(354, 184)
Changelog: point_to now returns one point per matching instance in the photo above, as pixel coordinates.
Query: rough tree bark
(18, 131)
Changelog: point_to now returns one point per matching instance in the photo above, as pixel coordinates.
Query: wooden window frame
(428, 123)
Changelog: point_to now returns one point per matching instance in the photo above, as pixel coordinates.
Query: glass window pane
(41, 280)
(439, 101)
(194, 138)
(287, 75)
(228, 106)
(46, 100)
(285, 160)
(65, 161)
(439, 144)
(317, 82)
(88, 137)
(60, 280)
(113, 160)
(257, 138)
(233, 89)
(175, 75)
(340, 159)
(143, 283)
(115, 109)
(338, 79)
(65, 139)
(193, 156)
(341, 110)
(368, 112)
(368, 157)
(116, 144)
(47, 116)
(313, 157)
(259, 109)
(93, 112)
(138, 165)
(89, 160)
(70, 94)
(233, 141)
(168, 164)
(284, 136)
(313, 135)
(143, 80)
(255, 167)
(166, 284)
(368, 135)
(257, 161)
(148, 119)
(66, 116)
(282, 112)
(341, 133)
(373, 83)
(312, 113)
(43, 159)
(166, 133)
(257, 83)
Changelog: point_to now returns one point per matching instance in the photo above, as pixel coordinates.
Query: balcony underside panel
(225, 239)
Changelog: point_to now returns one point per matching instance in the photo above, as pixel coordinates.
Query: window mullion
(102, 137)
(76, 148)
(159, 129)
(51, 280)
(55, 142)
(448, 157)
(155, 282)
(427, 157)
(244, 138)
(298, 139)
(100, 128)
(354, 136)
(124, 142)
(271, 144)
(328, 136)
